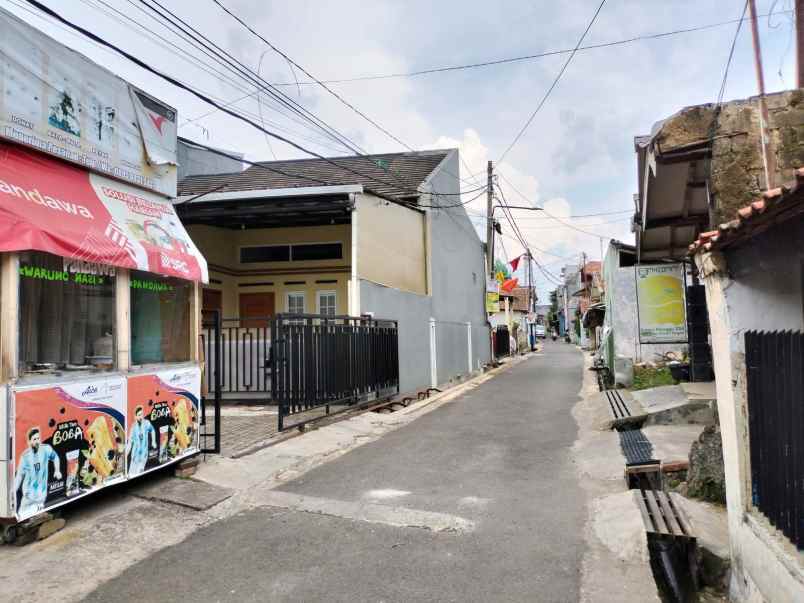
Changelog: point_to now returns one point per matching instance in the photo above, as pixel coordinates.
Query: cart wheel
(9, 534)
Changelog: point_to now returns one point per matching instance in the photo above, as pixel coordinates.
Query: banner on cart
(63, 104)
(68, 441)
(163, 417)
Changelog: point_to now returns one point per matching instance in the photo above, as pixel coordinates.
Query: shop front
(99, 333)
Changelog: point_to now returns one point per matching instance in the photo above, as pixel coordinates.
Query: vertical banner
(69, 440)
(661, 303)
(163, 416)
(492, 296)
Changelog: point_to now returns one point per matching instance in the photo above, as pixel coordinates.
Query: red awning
(53, 206)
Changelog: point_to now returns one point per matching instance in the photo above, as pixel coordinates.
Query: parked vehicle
(539, 331)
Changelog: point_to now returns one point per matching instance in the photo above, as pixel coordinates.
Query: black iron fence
(325, 361)
(210, 434)
(239, 357)
(775, 363)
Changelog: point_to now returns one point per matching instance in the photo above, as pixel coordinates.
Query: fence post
(469, 344)
(433, 354)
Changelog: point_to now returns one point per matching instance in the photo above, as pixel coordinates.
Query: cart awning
(49, 205)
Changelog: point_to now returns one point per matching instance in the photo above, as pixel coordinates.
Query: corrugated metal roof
(395, 175)
(774, 206)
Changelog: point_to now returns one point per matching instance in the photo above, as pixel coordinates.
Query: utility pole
(799, 43)
(490, 218)
(768, 160)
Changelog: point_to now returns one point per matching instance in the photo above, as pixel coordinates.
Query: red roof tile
(774, 206)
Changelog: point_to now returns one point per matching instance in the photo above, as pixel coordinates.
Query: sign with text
(52, 206)
(61, 103)
(163, 418)
(661, 303)
(69, 440)
(492, 296)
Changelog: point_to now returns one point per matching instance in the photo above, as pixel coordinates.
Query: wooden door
(256, 305)
(210, 301)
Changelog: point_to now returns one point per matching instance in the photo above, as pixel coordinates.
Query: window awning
(49, 205)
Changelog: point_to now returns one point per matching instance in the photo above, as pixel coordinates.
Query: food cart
(100, 373)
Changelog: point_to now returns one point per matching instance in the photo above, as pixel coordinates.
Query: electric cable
(172, 80)
(553, 85)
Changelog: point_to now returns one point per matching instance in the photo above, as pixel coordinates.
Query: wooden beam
(9, 316)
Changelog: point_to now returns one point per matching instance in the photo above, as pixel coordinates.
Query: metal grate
(617, 406)
(775, 367)
(636, 446)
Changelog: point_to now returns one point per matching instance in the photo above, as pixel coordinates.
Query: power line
(310, 75)
(205, 98)
(731, 54)
(573, 217)
(557, 219)
(554, 84)
(527, 57)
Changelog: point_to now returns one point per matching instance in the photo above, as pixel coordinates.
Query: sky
(577, 157)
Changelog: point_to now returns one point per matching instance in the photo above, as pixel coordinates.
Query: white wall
(757, 286)
(457, 287)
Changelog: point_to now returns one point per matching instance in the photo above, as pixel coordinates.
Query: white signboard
(661, 303)
(61, 103)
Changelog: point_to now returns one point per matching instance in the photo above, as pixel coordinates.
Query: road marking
(364, 511)
(385, 493)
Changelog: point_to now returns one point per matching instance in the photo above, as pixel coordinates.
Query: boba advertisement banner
(162, 418)
(68, 441)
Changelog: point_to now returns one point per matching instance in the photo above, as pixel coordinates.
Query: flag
(515, 263)
(509, 285)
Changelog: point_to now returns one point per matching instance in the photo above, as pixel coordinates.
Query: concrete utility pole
(768, 159)
(490, 218)
(799, 43)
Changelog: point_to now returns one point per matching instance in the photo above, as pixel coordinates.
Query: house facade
(382, 235)
(753, 269)
(620, 345)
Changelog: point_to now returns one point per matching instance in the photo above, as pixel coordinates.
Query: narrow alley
(498, 458)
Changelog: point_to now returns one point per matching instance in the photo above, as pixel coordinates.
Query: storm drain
(672, 546)
(617, 406)
(636, 447)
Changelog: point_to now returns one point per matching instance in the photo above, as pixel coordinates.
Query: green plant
(646, 377)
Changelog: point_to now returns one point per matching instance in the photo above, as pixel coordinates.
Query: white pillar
(433, 354)
(469, 345)
(354, 281)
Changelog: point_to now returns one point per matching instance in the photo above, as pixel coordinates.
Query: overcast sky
(577, 157)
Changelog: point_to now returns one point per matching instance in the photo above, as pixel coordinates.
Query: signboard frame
(683, 268)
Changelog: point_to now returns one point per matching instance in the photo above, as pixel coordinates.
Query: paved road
(498, 456)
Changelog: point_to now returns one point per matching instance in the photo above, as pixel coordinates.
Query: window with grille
(327, 303)
(296, 303)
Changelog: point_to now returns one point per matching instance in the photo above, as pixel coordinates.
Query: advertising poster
(492, 296)
(661, 303)
(69, 440)
(63, 104)
(52, 206)
(163, 417)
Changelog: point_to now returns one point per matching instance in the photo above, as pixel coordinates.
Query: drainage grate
(672, 546)
(636, 447)
(661, 515)
(617, 406)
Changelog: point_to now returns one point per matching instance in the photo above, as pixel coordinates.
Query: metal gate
(322, 361)
(775, 388)
(211, 387)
